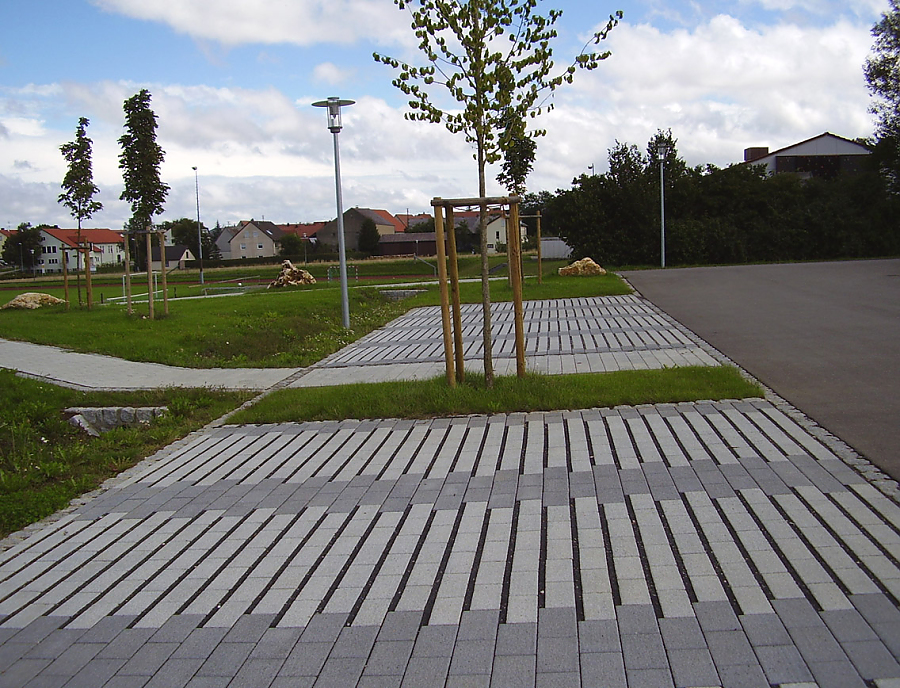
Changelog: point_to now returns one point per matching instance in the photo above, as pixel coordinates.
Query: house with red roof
(107, 247)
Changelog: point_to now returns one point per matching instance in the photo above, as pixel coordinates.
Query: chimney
(751, 154)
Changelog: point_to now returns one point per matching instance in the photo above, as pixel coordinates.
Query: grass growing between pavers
(45, 462)
(434, 398)
(262, 329)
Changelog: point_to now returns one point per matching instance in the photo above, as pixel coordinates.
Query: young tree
(290, 245)
(518, 156)
(882, 71)
(78, 187)
(494, 58)
(140, 160)
(369, 237)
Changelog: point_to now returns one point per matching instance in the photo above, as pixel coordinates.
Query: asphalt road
(825, 336)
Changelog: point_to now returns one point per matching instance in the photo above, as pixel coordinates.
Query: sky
(232, 83)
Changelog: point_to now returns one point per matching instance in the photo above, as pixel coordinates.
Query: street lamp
(199, 235)
(591, 168)
(662, 149)
(334, 126)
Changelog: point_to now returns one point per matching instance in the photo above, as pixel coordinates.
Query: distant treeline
(734, 215)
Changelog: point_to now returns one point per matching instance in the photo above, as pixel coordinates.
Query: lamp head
(334, 111)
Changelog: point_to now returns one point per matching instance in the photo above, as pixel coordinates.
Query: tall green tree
(495, 59)
(78, 185)
(139, 161)
(184, 233)
(519, 151)
(882, 72)
(23, 246)
(369, 237)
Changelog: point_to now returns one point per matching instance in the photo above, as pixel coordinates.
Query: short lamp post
(199, 233)
(662, 149)
(334, 105)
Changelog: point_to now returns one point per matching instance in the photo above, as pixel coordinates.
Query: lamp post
(591, 168)
(662, 149)
(199, 234)
(334, 105)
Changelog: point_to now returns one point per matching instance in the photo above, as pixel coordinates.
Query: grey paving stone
(139, 681)
(297, 682)
(513, 671)
(177, 628)
(556, 655)
(425, 672)
(559, 622)
(742, 676)
(306, 659)
(175, 673)
(249, 628)
(797, 613)
(340, 672)
(871, 659)
(637, 619)
(39, 629)
(558, 680)
(400, 626)
(389, 658)
(644, 652)
(836, 674)
(468, 681)
(783, 664)
(648, 678)
(276, 643)
(603, 669)
(435, 641)
(54, 644)
(126, 643)
(199, 644)
(479, 625)
(354, 642)
(517, 639)
(21, 672)
(96, 673)
(12, 652)
(226, 659)
(692, 667)
(472, 657)
(323, 628)
(716, 616)
(765, 629)
(816, 645)
(848, 625)
(730, 648)
(74, 658)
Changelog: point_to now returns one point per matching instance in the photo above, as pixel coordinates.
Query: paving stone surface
(590, 335)
(704, 544)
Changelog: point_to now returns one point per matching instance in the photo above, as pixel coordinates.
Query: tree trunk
(78, 262)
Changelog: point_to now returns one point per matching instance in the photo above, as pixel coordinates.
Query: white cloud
(298, 22)
(328, 73)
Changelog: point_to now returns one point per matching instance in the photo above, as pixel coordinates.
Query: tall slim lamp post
(199, 234)
(662, 149)
(334, 105)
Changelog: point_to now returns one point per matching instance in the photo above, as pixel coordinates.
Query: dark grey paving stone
(716, 616)
(21, 672)
(175, 673)
(96, 673)
(875, 608)
(644, 652)
(816, 645)
(693, 667)
(479, 625)
(765, 629)
(848, 625)
(276, 643)
(557, 655)
(294, 682)
(306, 659)
(226, 659)
(40, 628)
(207, 682)
(730, 648)
(425, 672)
(783, 664)
(138, 682)
(472, 657)
(603, 669)
(176, 628)
(400, 626)
(389, 658)
(468, 681)
(249, 628)
(340, 672)
(75, 658)
(558, 622)
(126, 643)
(12, 652)
(637, 619)
(797, 613)
(836, 674)
(200, 643)
(55, 643)
(872, 659)
(354, 641)
(599, 636)
(148, 659)
(513, 671)
(435, 641)
(649, 678)
(558, 680)
(47, 681)
(516, 639)
(682, 634)
(742, 676)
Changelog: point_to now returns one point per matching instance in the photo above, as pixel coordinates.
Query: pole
(162, 263)
(454, 298)
(128, 271)
(662, 213)
(66, 277)
(342, 254)
(540, 270)
(514, 254)
(149, 242)
(445, 297)
(199, 234)
(87, 274)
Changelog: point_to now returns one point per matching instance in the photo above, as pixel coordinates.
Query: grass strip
(45, 462)
(434, 398)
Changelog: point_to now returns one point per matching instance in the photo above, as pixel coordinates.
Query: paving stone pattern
(596, 335)
(674, 545)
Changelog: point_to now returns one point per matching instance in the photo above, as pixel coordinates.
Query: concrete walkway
(704, 544)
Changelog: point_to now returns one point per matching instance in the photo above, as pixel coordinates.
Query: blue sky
(232, 81)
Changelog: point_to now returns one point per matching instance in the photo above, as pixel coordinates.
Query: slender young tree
(139, 160)
(518, 157)
(494, 58)
(79, 188)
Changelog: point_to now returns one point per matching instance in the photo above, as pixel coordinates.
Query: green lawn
(263, 328)
(45, 462)
(434, 398)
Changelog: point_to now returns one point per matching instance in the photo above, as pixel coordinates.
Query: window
(243, 247)
(259, 247)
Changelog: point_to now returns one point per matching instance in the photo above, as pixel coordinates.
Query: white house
(496, 228)
(821, 156)
(107, 248)
(177, 257)
(254, 239)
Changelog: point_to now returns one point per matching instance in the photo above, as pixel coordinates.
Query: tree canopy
(369, 237)
(140, 160)
(882, 72)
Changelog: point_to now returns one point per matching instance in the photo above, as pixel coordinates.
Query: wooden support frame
(452, 325)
